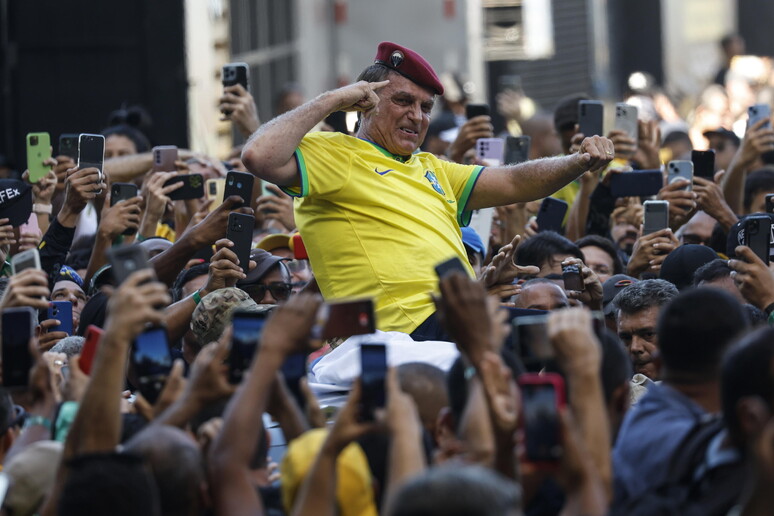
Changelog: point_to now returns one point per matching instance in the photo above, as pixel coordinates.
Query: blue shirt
(651, 432)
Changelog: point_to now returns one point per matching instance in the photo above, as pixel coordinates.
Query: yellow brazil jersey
(376, 226)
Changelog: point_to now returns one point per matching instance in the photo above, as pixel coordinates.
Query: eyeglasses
(279, 290)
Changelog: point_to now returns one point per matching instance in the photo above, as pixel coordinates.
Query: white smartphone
(626, 119)
(29, 259)
(490, 151)
(680, 169)
(758, 112)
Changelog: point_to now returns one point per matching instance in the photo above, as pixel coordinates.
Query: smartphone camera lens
(130, 265)
(33, 140)
(239, 185)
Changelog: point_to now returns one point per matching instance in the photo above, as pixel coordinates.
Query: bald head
(541, 294)
(426, 384)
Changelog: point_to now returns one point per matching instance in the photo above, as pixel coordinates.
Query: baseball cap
(31, 476)
(725, 133)
(353, 475)
(213, 313)
(612, 287)
(263, 262)
(409, 64)
(680, 264)
(275, 241)
(472, 241)
(15, 201)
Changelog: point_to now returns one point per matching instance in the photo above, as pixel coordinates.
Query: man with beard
(637, 309)
(624, 228)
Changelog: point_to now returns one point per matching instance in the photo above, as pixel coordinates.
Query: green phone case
(38, 151)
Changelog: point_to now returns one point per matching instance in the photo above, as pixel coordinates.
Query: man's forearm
(126, 168)
(525, 182)
(273, 144)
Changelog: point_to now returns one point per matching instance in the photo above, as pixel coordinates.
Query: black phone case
(239, 75)
(241, 184)
(68, 145)
(193, 187)
(551, 214)
(770, 203)
(17, 359)
(127, 259)
(452, 264)
(517, 149)
(637, 183)
(590, 116)
(704, 164)
(757, 236)
(121, 192)
(474, 110)
(240, 231)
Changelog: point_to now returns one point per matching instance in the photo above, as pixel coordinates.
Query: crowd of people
(656, 349)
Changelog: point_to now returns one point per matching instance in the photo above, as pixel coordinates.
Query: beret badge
(396, 58)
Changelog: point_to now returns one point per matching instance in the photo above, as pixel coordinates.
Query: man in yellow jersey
(376, 215)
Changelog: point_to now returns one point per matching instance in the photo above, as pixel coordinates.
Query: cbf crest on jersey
(434, 182)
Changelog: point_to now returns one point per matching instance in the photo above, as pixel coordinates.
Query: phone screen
(151, 353)
(244, 342)
(531, 338)
(17, 360)
(542, 432)
(373, 362)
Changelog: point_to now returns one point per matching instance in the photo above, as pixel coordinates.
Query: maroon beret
(409, 64)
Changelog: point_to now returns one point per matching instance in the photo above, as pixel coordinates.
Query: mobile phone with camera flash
(626, 119)
(38, 151)
(543, 396)
(757, 236)
(240, 232)
(126, 260)
(164, 157)
(241, 184)
(680, 169)
(213, 189)
(29, 259)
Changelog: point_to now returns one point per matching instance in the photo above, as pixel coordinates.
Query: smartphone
(193, 187)
(490, 151)
(542, 397)
(91, 151)
(240, 231)
(29, 259)
(551, 214)
(516, 149)
(655, 217)
(299, 249)
(233, 74)
(68, 145)
(757, 236)
(38, 151)
(164, 157)
(241, 184)
(530, 339)
(759, 112)
(151, 361)
(213, 189)
(572, 278)
(18, 327)
(89, 350)
(125, 260)
(373, 364)
(636, 183)
(63, 312)
(704, 164)
(680, 169)
(121, 192)
(626, 119)
(445, 268)
(293, 370)
(590, 116)
(474, 110)
(348, 318)
(246, 334)
(770, 203)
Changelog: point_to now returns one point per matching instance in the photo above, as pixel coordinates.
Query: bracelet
(42, 208)
(197, 297)
(38, 421)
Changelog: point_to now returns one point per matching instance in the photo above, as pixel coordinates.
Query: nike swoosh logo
(382, 173)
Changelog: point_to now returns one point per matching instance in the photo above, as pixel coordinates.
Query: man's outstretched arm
(269, 152)
(540, 178)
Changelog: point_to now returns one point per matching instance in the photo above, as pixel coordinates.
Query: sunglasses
(279, 290)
